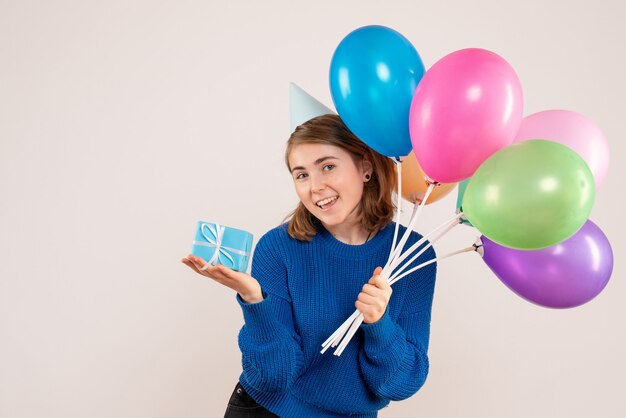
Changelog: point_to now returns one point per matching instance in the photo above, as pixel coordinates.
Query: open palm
(247, 286)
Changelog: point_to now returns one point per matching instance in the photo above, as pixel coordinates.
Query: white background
(122, 123)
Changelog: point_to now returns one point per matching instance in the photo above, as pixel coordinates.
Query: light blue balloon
(459, 200)
(373, 75)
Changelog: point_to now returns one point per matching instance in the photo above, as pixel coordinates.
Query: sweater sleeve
(272, 357)
(394, 357)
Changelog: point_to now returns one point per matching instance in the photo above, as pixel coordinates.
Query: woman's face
(328, 182)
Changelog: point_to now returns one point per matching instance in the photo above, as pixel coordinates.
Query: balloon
(414, 182)
(373, 75)
(575, 131)
(459, 201)
(467, 106)
(562, 276)
(530, 195)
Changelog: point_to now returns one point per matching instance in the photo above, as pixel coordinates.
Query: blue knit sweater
(310, 289)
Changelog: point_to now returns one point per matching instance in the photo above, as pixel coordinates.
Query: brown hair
(376, 208)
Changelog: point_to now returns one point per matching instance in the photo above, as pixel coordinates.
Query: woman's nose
(317, 184)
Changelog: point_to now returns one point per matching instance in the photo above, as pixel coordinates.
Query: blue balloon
(373, 75)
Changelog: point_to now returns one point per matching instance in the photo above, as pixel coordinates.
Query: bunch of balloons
(529, 183)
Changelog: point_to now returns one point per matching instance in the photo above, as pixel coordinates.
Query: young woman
(310, 273)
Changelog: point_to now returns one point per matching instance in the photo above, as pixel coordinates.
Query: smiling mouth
(324, 203)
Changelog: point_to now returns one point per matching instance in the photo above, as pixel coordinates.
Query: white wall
(124, 122)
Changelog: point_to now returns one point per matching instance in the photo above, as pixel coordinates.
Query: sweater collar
(359, 251)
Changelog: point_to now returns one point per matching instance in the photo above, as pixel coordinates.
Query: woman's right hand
(247, 286)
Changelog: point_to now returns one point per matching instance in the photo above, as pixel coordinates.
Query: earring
(367, 177)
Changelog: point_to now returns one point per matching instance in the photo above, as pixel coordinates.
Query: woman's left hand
(374, 298)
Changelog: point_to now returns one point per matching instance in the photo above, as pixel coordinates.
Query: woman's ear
(368, 168)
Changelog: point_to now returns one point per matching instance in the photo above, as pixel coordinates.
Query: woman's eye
(329, 167)
(300, 176)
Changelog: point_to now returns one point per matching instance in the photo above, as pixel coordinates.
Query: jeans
(241, 405)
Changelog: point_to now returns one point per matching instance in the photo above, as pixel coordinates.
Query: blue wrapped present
(218, 244)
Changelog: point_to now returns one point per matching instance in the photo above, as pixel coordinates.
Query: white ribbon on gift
(217, 232)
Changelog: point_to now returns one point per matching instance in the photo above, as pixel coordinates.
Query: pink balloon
(466, 107)
(573, 130)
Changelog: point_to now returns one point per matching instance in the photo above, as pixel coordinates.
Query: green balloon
(530, 195)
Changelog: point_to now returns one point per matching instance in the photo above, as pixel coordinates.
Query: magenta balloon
(562, 276)
(466, 107)
(573, 130)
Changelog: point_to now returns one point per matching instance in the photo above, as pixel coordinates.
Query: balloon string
(349, 334)
(414, 217)
(345, 332)
(433, 260)
(398, 206)
(333, 340)
(451, 224)
(359, 319)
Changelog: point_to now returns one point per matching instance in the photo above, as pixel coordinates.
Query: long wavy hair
(376, 209)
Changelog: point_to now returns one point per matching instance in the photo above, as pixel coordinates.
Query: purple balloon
(562, 276)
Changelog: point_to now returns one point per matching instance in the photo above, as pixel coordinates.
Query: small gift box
(218, 244)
